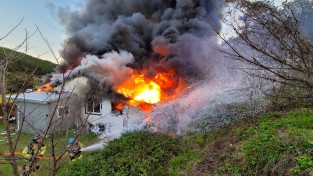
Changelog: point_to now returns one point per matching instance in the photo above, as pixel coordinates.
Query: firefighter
(33, 152)
(74, 149)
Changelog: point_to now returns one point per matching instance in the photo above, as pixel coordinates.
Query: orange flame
(146, 107)
(119, 106)
(45, 88)
(143, 92)
(137, 89)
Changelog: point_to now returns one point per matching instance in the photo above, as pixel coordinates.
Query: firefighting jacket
(75, 150)
(32, 149)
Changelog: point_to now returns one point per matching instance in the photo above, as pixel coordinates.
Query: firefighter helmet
(71, 140)
(37, 136)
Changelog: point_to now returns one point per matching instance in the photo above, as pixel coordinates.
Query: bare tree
(303, 10)
(57, 156)
(270, 44)
(6, 108)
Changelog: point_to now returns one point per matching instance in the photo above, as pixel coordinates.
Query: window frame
(63, 115)
(93, 112)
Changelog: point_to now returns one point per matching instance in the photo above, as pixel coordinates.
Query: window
(63, 111)
(117, 109)
(93, 107)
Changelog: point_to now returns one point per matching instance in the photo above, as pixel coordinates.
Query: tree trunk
(6, 123)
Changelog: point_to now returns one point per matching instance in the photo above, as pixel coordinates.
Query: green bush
(134, 153)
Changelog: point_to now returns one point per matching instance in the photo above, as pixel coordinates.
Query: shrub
(134, 153)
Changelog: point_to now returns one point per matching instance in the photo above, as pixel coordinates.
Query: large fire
(144, 88)
(136, 88)
(143, 92)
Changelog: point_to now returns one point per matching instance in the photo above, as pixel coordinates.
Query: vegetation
(270, 44)
(24, 71)
(24, 140)
(136, 153)
(26, 63)
(275, 144)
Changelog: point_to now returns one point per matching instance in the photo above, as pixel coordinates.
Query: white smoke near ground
(104, 139)
(226, 95)
(212, 104)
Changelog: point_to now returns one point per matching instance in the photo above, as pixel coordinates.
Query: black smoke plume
(178, 33)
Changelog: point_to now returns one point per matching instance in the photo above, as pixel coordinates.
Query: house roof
(41, 97)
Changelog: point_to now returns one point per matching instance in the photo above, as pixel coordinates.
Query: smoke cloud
(108, 40)
(109, 69)
(171, 31)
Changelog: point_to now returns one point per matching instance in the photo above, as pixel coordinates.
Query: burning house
(137, 54)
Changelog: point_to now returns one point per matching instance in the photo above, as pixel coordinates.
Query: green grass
(274, 144)
(135, 153)
(25, 139)
(277, 139)
(24, 71)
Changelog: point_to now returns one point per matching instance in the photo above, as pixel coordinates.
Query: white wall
(32, 117)
(67, 122)
(132, 116)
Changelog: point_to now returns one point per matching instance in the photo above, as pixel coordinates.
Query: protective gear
(34, 148)
(74, 151)
(31, 152)
(37, 136)
(71, 140)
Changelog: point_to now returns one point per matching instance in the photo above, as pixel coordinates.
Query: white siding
(131, 116)
(33, 118)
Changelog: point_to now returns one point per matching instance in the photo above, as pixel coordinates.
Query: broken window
(117, 109)
(63, 111)
(93, 107)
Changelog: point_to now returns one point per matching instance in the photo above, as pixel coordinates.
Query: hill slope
(24, 71)
(26, 63)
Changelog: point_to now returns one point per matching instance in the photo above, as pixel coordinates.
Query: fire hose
(38, 157)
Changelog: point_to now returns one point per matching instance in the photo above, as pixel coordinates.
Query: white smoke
(207, 99)
(110, 68)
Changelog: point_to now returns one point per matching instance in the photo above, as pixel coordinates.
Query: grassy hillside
(26, 63)
(274, 144)
(24, 71)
